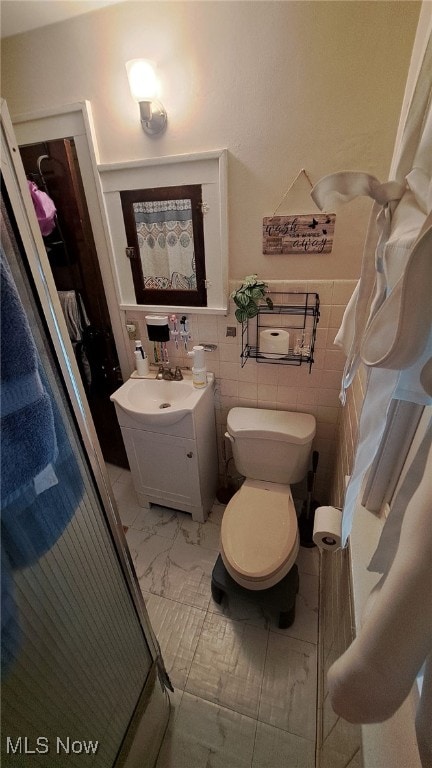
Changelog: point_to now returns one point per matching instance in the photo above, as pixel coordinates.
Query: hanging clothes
(75, 314)
(387, 328)
(44, 208)
(77, 321)
(387, 324)
(375, 675)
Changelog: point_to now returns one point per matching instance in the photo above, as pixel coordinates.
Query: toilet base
(281, 597)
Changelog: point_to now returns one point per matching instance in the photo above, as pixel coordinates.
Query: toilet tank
(271, 445)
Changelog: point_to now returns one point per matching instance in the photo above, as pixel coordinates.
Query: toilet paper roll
(274, 342)
(327, 530)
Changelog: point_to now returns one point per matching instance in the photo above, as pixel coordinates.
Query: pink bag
(44, 208)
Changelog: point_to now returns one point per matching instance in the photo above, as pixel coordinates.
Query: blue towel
(27, 422)
(41, 484)
(30, 530)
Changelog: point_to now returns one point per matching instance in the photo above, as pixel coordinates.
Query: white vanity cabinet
(175, 465)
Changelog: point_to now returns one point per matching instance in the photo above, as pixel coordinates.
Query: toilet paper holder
(295, 313)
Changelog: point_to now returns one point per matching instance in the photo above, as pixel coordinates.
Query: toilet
(259, 531)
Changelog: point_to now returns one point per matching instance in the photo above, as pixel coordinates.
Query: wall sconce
(144, 88)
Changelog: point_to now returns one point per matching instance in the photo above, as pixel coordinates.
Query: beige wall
(281, 85)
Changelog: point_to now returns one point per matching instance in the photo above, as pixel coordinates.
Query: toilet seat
(259, 534)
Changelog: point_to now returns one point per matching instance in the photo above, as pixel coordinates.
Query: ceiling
(18, 16)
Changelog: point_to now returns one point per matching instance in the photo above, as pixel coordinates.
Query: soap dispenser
(199, 371)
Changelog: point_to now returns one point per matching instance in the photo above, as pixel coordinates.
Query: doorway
(53, 166)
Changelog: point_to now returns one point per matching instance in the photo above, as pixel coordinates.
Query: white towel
(424, 717)
(374, 676)
(388, 323)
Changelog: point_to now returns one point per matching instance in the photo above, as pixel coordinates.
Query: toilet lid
(264, 424)
(259, 529)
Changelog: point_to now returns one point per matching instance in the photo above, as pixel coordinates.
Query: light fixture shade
(142, 79)
(144, 87)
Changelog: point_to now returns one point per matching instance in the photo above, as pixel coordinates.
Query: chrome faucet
(165, 373)
(168, 375)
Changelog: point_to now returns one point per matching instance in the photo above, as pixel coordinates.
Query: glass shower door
(76, 659)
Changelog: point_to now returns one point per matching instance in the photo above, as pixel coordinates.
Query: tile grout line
(260, 692)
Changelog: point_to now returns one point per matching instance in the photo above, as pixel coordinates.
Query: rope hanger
(302, 170)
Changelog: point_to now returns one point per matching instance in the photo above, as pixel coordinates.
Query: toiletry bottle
(199, 371)
(141, 359)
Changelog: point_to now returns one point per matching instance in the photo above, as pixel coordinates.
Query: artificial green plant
(248, 296)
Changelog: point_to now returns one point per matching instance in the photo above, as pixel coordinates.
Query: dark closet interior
(53, 167)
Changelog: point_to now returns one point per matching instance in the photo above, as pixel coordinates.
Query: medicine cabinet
(294, 316)
(141, 188)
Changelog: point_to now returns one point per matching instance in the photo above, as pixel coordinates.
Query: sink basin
(155, 401)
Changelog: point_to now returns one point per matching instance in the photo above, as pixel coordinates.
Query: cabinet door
(163, 466)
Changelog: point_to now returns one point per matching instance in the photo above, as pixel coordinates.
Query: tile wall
(347, 436)
(280, 387)
(338, 742)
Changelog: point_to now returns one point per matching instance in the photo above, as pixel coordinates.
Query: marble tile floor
(245, 690)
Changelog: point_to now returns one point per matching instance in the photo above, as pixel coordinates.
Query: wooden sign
(302, 234)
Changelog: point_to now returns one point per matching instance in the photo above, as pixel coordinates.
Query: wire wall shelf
(284, 334)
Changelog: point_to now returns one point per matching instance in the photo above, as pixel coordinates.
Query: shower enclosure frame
(148, 722)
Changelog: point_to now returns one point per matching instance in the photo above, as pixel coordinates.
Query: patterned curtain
(165, 239)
